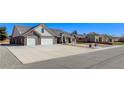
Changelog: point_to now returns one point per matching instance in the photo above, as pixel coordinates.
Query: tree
(3, 33)
(75, 32)
(92, 35)
(84, 34)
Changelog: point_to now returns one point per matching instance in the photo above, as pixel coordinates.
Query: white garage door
(46, 41)
(30, 41)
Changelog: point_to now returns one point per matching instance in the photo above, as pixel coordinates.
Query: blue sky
(116, 29)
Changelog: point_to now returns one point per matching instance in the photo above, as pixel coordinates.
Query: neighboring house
(116, 39)
(99, 38)
(40, 35)
(92, 37)
(105, 38)
(81, 38)
(121, 39)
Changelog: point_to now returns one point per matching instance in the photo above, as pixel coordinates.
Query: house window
(42, 30)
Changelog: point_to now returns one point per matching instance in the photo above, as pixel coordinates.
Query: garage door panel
(46, 41)
(31, 42)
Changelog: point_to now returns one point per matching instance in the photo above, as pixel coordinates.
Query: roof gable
(19, 30)
(41, 28)
(22, 29)
(35, 28)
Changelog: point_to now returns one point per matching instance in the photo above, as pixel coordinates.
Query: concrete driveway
(28, 54)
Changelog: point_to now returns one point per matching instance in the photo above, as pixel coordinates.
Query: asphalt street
(104, 59)
(7, 59)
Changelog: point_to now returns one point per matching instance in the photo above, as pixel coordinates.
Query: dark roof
(58, 32)
(116, 37)
(22, 30)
